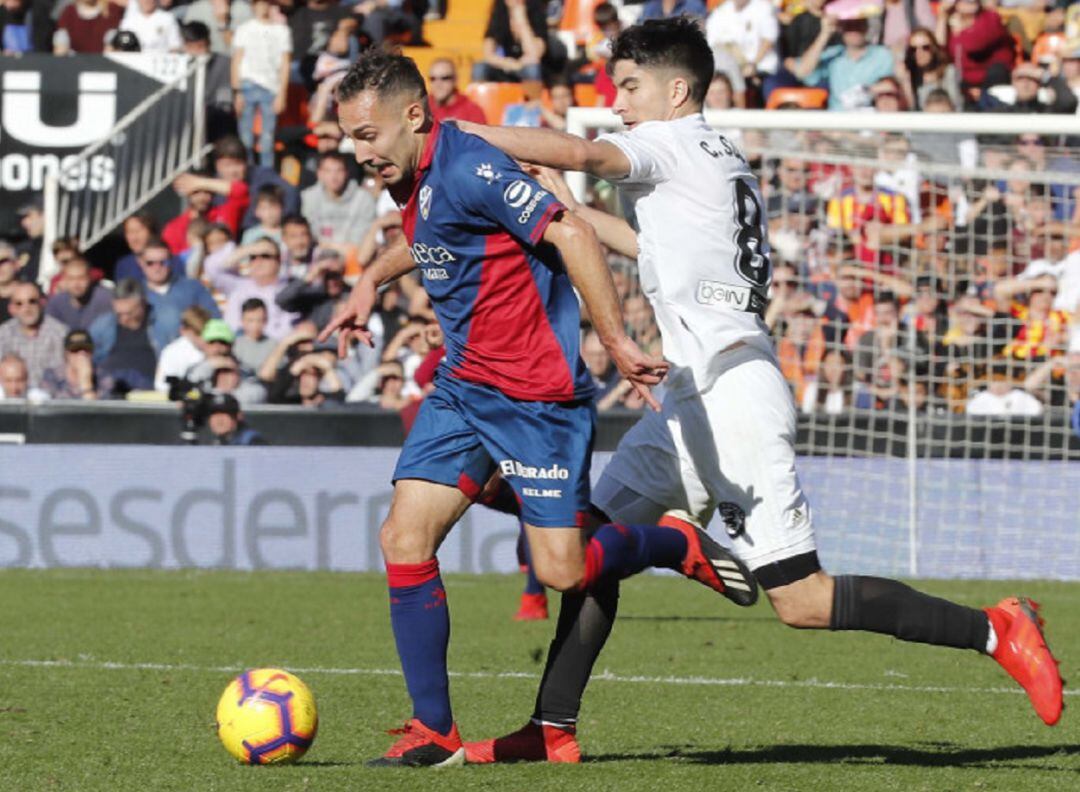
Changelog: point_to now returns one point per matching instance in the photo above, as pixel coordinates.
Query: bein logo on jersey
(428, 254)
(517, 194)
(523, 218)
(722, 294)
(511, 468)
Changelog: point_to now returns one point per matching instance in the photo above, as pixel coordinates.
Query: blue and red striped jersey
(474, 224)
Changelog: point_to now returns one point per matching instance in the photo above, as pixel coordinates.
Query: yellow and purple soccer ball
(267, 716)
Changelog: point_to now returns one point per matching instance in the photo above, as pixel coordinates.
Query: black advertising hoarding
(52, 108)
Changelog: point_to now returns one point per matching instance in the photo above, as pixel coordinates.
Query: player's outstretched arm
(554, 149)
(351, 322)
(577, 243)
(613, 231)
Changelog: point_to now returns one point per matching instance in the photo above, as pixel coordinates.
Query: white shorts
(733, 444)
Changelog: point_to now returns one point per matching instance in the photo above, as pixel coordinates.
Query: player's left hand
(640, 370)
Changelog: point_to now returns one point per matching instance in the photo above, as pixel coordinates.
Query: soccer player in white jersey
(725, 438)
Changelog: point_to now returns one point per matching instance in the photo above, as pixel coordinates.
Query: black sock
(890, 607)
(585, 622)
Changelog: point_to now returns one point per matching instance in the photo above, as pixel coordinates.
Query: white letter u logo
(22, 110)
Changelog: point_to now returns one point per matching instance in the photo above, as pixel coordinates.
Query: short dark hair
(386, 74)
(604, 14)
(939, 95)
(337, 156)
(296, 219)
(270, 192)
(193, 32)
(668, 44)
(252, 304)
(230, 147)
(157, 243)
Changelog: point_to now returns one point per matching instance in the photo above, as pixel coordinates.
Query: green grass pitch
(109, 679)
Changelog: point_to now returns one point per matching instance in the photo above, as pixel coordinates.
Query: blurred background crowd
(919, 271)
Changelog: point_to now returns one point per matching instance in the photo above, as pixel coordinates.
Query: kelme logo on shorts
(517, 193)
(511, 467)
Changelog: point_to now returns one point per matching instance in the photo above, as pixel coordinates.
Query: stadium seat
(494, 97)
(806, 98)
(585, 95)
(577, 19)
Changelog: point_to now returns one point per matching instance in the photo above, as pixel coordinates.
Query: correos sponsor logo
(525, 215)
(517, 193)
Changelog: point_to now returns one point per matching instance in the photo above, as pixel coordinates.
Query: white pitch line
(606, 676)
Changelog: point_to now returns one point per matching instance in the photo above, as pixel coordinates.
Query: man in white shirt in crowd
(260, 76)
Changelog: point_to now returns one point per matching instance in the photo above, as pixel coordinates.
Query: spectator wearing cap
(156, 29)
(847, 69)
(198, 44)
(252, 347)
(76, 378)
(338, 208)
(261, 50)
(221, 18)
(83, 25)
(227, 377)
(444, 98)
(976, 39)
(32, 221)
(79, 299)
(163, 288)
(199, 191)
(264, 280)
(225, 421)
(1035, 91)
(9, 269)
(36, 338)
(183, 353)
(128, 339)
(314, 295)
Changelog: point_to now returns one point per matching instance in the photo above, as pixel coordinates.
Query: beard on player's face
(385, 132)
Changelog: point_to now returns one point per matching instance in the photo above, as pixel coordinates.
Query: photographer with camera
(226, 422)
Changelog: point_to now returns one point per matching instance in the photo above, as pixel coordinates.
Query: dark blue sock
(421, 623)
(619, 551)
(532, 585)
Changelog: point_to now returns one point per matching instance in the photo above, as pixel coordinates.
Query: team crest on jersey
(425, 201)
(487, 172)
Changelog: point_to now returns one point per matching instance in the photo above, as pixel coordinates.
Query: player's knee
(560, 575)
(403, 546)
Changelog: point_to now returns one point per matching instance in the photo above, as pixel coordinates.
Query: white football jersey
(703, 248)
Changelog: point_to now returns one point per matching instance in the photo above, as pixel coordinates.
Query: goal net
(925, 303)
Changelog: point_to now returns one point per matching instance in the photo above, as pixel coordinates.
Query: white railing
(160, 138)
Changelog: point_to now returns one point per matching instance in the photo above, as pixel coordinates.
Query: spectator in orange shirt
(445, 99)
(199, 191)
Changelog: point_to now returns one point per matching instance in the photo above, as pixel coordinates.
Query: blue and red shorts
(466, 431)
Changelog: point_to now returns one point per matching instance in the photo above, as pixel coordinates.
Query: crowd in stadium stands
(892, 290)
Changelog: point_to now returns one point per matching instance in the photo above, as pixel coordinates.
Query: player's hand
(554, 183)
(640, 370)
(351, 321)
